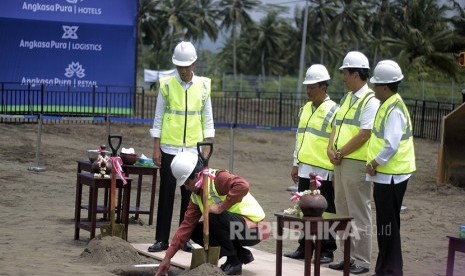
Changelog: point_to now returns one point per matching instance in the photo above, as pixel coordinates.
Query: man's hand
(157, 157)
(334, 158)
(295, 174)
(370, 168)
(163, 268)
(215, 209)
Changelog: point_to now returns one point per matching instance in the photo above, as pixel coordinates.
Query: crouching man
(236, 219)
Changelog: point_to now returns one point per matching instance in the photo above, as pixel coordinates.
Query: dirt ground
(37, 208)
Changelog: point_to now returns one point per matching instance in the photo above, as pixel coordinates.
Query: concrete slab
(264, 264)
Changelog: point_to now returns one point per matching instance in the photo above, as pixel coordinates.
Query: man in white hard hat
(347, 150)
(236, 219)
(312, 138)
(183, 117)
(390, 163)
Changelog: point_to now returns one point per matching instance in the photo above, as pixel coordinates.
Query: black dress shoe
(354, 269)
(187, 247)
(298, 254)
(245, 256)
(158, 246)
(230, 269)
(338, 266)
(223, 266)
(325, 260)
(357, 269)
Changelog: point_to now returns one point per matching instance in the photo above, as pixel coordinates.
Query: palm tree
(378, 24)
(267, 43)
(347, 26)
(321, 14)
(425, 40)
(207, 14)
(234, 13)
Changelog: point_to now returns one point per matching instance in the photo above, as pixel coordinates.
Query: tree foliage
(423, 36)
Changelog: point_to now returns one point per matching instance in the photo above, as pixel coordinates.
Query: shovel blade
(201, 256)
(116, 230)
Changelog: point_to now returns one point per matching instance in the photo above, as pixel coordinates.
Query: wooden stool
(94, 184)
(318, 226)
(85, 165)
(455, 244)
(140, 171)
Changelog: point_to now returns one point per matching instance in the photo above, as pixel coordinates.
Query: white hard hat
(355, 59)
(387, 71)
(184, 54)
(316, 73)
(182, 166)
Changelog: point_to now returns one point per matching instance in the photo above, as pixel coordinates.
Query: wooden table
(319, 226)
(455, 244)
(95, 183)
(140, 171)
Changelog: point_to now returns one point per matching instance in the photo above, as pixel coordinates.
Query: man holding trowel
(235, 218)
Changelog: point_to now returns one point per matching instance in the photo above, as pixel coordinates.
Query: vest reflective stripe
(379, 130)
(403, 162)
(348, 123)
(182, 120)
(313, 134)
(247, 207)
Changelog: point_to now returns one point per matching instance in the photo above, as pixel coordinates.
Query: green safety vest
(348, 123)
(403, 162)
(313, 134)
(247, 207)
(182, 120)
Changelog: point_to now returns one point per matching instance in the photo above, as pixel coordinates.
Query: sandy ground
(37, 209)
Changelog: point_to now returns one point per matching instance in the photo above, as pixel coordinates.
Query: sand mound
(110, 250)
(204, 269)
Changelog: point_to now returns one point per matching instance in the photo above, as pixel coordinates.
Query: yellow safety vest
(348, 123)
(403, 162)
(182, 120)
(313, 134)
(247, 207)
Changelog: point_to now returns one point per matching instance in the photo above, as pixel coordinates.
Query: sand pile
(111, 250)
(204, 269)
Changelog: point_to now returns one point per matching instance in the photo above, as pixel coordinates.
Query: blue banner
(59, 53)
(113, 12)
(73, 43)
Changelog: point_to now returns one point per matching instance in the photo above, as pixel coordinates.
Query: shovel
(113, 229)
(206, 254)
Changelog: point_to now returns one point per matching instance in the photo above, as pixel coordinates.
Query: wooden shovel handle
(205, 191)
(206, 229)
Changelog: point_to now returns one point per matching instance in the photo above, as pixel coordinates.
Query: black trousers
(229, 231)
(326, 189)
(388, 201)
(166, 199)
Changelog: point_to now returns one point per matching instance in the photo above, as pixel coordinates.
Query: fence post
(93, 100)
(36, 166)
(42, 92)
(3, 111)
(438, 115)
(422, 122)
(280, 108)
(143, 103)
